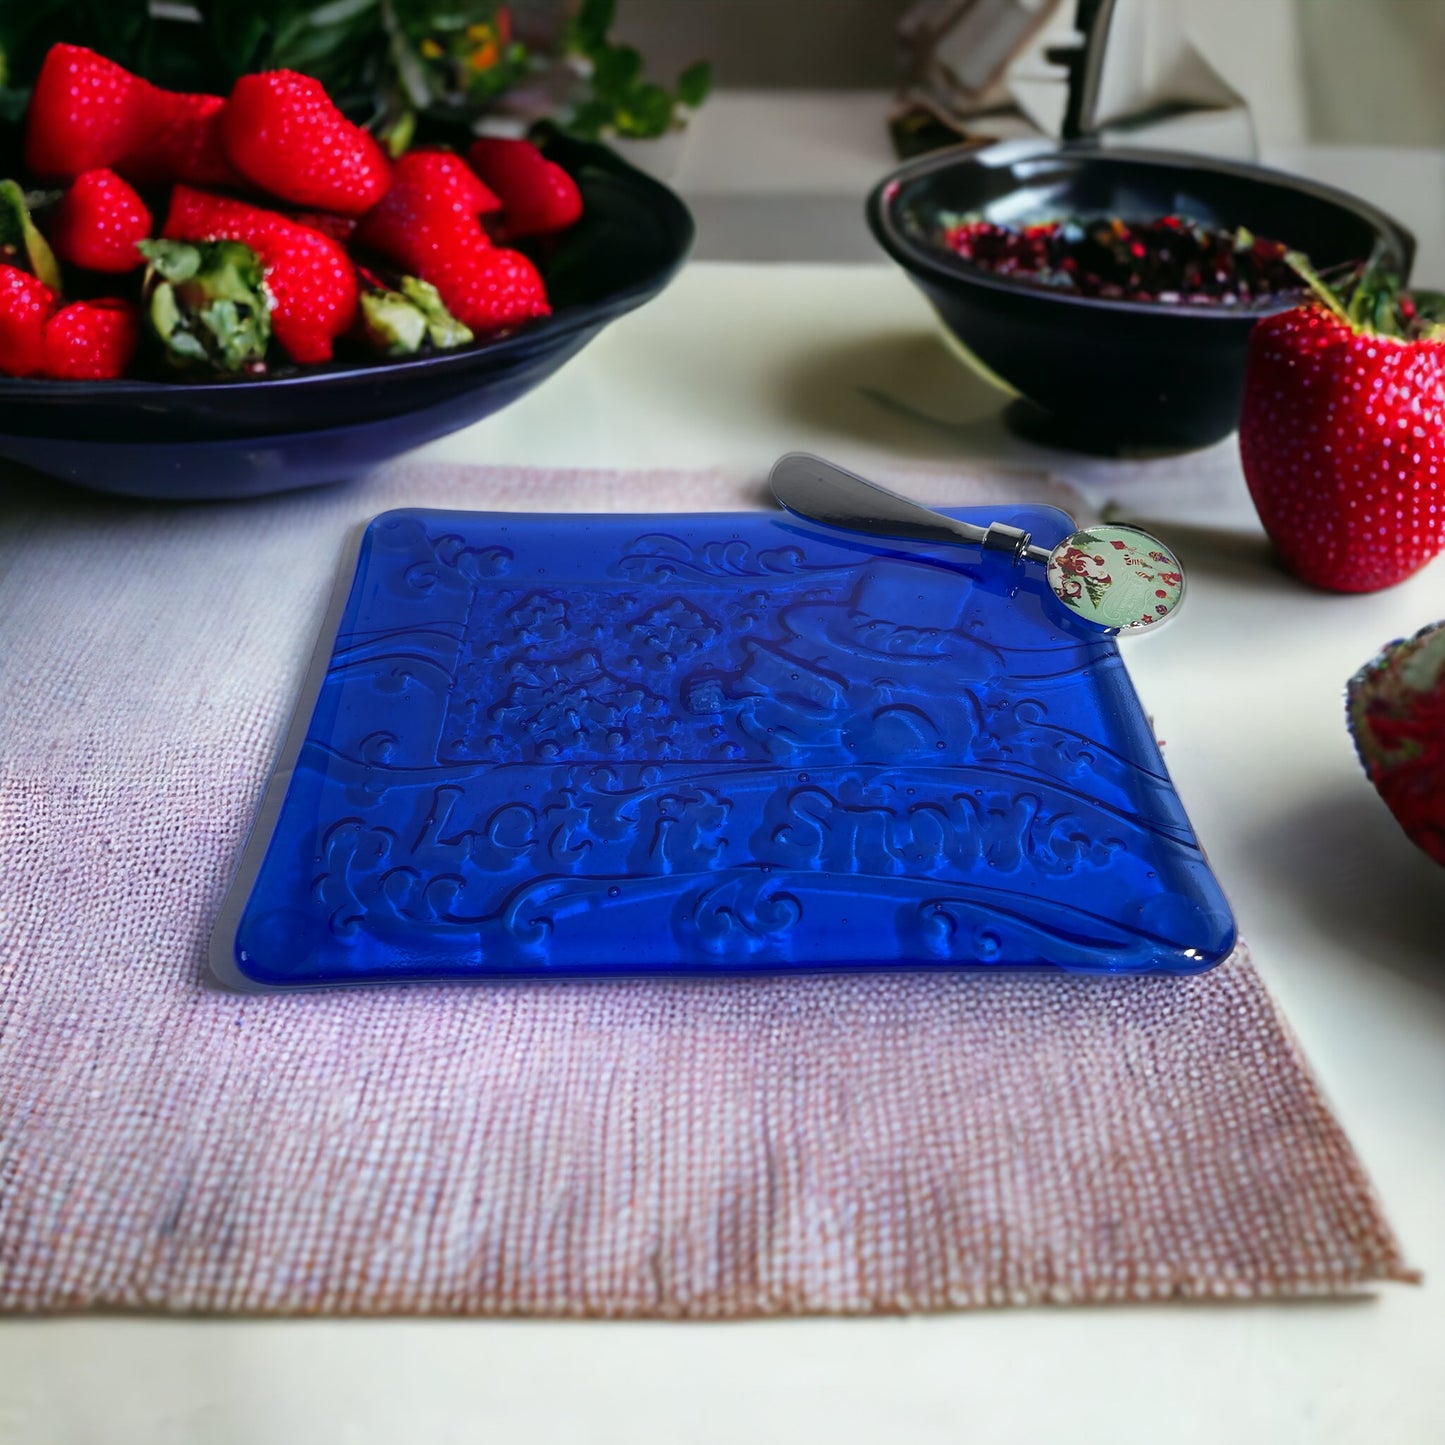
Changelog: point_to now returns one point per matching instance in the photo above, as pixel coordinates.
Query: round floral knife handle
(1114, 577)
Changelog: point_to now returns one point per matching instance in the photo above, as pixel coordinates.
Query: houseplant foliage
(620, 99)
(391, 65)
(386, 63)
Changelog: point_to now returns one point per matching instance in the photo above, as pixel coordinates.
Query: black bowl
(199, 440)
(1113, 373)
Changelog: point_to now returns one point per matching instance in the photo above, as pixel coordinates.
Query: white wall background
(1376, 70)
(1348, 71)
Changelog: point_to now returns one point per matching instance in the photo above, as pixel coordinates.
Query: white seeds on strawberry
(1342, 437)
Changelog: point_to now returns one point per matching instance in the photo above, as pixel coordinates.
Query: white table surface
(734, 364)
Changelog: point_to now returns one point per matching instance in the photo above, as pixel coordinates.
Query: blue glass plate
(592, 746)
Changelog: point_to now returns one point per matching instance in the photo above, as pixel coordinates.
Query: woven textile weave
(850, 1144)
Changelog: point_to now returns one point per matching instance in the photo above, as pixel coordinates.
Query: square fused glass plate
(592, 746)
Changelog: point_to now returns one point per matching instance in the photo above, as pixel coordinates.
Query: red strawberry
(25, 305)
(487, 290)
(427, 224)
(182, 141)
(98, 222)
(443, 173)
(340, 228)
(1397, 717)
(283, 134)
(311, 279)
(92, 340)
(84, 113)
(538, 196)
(88, 113)
(434, 202)
(1342, 437)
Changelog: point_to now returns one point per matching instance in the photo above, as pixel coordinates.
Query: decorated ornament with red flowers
(1118, 577)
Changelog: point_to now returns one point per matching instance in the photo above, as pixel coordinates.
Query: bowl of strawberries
(209, 297)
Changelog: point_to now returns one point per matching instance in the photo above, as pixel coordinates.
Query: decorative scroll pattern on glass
(592, 746)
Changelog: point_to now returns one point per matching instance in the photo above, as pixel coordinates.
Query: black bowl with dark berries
(206, 296)
(1115, 290)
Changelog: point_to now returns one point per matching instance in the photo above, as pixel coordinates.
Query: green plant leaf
(1374, 302)
(340, 11)
(593, 22)
(400, 322)
(617, 69)
(1299, 263)
(1421, 315)
(21, 244)
(346, 45)
(590, 119)
(205, 303)
(647, 113)
(12, 105)
(396, 132)
(694, 85)
(1429, 305)
(181, 55)
(119, 29)
(171, 260)
(241, 35)
(443, 329)
(390, 324)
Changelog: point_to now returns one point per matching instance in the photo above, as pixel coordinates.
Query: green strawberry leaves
(403, 321)
(21, 244)
(206, 304)
(1372, 299)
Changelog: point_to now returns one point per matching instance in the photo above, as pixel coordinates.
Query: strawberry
(84, 113)
(538, 196)
(92, 340)
(340, 228)
(25, 306)
(283, 134)
(427, 224)
(182, 141)
(434, 201)
(487, 290)
(311, 279)
(1342, 435)
(98, 222)
(88, 113)
(1397, 718)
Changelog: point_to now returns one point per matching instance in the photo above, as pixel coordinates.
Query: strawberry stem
(1299, 263)
(1372, 301)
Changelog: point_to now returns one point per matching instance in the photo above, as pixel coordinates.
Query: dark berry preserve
(1170, 260)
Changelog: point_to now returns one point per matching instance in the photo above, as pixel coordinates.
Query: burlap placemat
(868, 1143)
